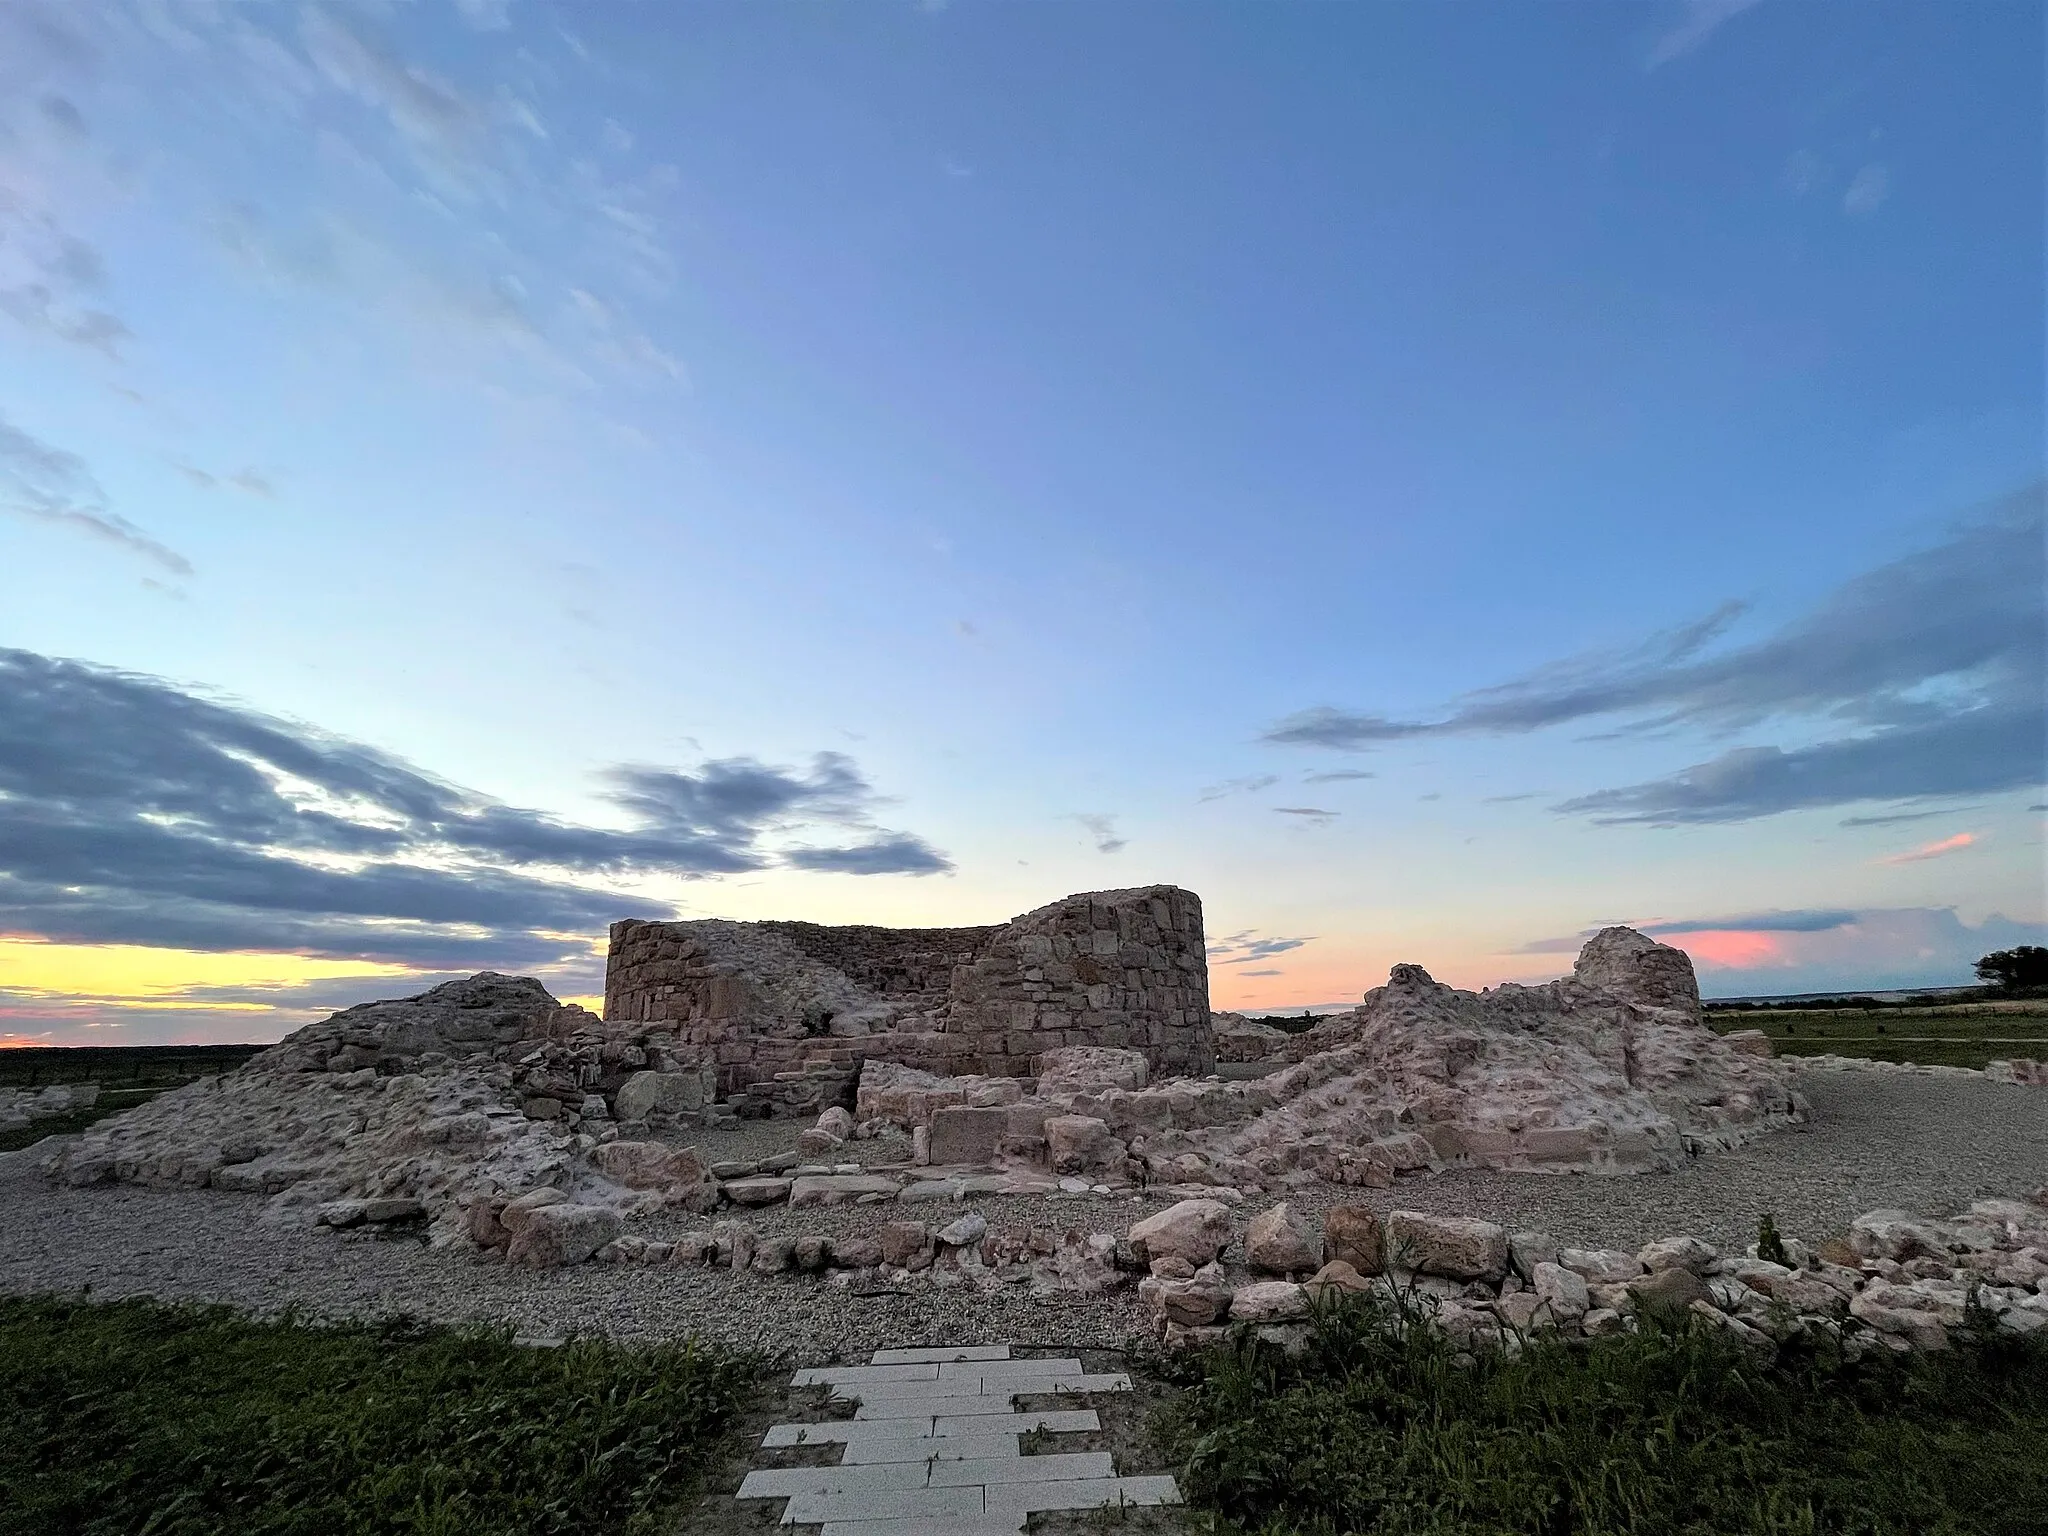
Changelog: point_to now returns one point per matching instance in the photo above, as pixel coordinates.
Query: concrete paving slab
(911, 1504)
(941, 1356)
(1080, 1493)
(1055, 1467)
(787, 1482)
(860, 1375)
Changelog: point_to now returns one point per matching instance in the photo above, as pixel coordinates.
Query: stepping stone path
(932, 1448)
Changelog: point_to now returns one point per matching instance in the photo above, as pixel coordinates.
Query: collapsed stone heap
(417, 1107)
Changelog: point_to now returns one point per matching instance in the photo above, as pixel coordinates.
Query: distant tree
(2015, 970)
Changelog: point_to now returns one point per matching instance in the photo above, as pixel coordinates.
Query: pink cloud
(1954, 844)
(1733, 949)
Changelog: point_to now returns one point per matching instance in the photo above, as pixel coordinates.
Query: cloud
(1701, 20)
(134, 812)
(1262, 973)
(1311, 813)
(1245, 948)
(1245, 786)
(1871, 949)
(49, 485)
(1338, 776)
(1934, 850)
(485, 15)
(1103, 830)
(1923, 678)
(1867, 191)
(1898, 817)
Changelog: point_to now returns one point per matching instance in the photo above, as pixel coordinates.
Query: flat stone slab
(933, 1449)
(839, 1188)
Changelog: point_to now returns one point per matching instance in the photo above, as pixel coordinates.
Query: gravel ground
(1926, 1144)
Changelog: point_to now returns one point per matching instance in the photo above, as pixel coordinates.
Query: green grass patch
(150, 1420)
(1669, 1432)
(1955, 1035)
(118, 1066)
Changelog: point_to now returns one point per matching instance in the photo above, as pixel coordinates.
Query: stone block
(965, 1135)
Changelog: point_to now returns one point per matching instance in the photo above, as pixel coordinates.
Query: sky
(1434, 480)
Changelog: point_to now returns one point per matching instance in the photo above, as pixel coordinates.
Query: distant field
(118, 1066)
(127, 1075)
(1947, 1034)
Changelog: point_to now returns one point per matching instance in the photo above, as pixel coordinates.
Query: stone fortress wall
(786, 1011)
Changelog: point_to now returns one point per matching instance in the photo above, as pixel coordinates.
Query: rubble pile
(408, 1109)
(21, 1108)
(1609, 1070)
(1894, 1281)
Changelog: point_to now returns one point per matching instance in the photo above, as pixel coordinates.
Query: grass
(118, 1066)
(1674, 1431)
(1949, 1034)
(150, 1420)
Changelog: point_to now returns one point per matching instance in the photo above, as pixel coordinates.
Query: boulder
(906, 1244)
(1601, 1266)
(516, 1210)
(963, 1231)
(647, 1094)
(1189, 1303)
(1528, 1249)
(1352, 1233)
(1278, 1244)
(1081, 1144)
(858, 1252)
(756, 1191)
(812, 1253)
(1676, 1253)
(735, 1242)
(1562, 1291)
(1898, 1236)
(1458, 1247)
(1268, 1301)
(1749, 1042)
(1336, 1276)
(561, 1234)
(774, 1256)
(1195, 1230)
(1668, 1291)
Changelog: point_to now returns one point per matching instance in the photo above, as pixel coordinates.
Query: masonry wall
(1125, 968)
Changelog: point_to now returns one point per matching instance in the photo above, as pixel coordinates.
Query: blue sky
(1433, 479)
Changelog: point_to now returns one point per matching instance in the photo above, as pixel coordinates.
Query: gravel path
(1926, 1144)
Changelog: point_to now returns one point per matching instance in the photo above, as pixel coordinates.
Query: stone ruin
(1068, 1051)
(785, 1013)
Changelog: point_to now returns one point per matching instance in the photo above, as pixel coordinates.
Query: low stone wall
(782, 1009)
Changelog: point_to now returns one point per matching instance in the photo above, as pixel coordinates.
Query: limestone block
(513, 1216)
(838, 1188)
(1278, 1244)
(1081, 1144)
(965, 1135)
(1336, 1276)
(1190, 1303)
(1078, 1069)
(556, 1235)
(906, 1244)
(1668, 1291)
(756, 1191)
(1676, 1253)
(1528, 1249)
(1457, 1247)
(1601, 1266)
(1562, 1291)
(659, 1093)
(1195, 1230)
(1268, 1301)
(1353, 1233)
(1749, 1042)
(648, 1164)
